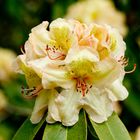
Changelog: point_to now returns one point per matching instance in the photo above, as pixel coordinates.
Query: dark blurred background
(17, 17)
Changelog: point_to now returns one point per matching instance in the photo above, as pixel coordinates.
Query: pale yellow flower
(98, 11)
(43, 47)
(6, 59)
(88, 75)
(53, 43)
(85, 77)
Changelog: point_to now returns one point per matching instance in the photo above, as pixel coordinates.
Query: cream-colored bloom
(73, 66)
(53, 43)
(6, 59)
(98, 11)
(88, 87)
(42, 48)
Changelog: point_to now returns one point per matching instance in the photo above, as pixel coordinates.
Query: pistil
(124, 62)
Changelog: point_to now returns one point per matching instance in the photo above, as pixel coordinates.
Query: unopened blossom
(73, 66)
(6, 59)
(98, 11)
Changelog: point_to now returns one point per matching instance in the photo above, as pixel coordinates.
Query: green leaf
(92, 134)
(58, 132)
(79, 130)
(28, 130)
(112, 129)
(54, 132)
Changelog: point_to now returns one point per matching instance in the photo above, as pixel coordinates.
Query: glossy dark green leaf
(91, 132)
(58, 132)
(112, 129)
(79, 130)
(28, 130)
(55, 132)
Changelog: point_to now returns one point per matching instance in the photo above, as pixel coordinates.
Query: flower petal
(68, 103)
(55, 76)
(106, 71)
(117, 91)
(21, 66)
(97, 105)
(41, 31)
(61, 32)
(40, 107)
(40, 65)
(35, 47)
(44, 100)
(53, 113)
(76, 53)
(117, 45)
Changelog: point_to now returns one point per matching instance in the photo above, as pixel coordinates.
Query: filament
(81, 86)
(134, 68)
(31, 92)
(60, 55)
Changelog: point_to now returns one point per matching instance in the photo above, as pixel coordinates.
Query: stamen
(81, 86)
(54, 50)
(134, 68)
(123, 60)
(31, 92)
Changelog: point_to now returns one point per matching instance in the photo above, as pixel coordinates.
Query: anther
(31, 92)
(90, 86)
(54, 51)
(123, 60)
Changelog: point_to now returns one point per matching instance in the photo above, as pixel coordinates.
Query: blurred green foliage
(16, 20)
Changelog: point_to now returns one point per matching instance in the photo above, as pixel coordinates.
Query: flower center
(81, 72)
(82, 86)
(55, 53)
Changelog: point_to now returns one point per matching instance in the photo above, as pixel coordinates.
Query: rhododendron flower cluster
(68, 66)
